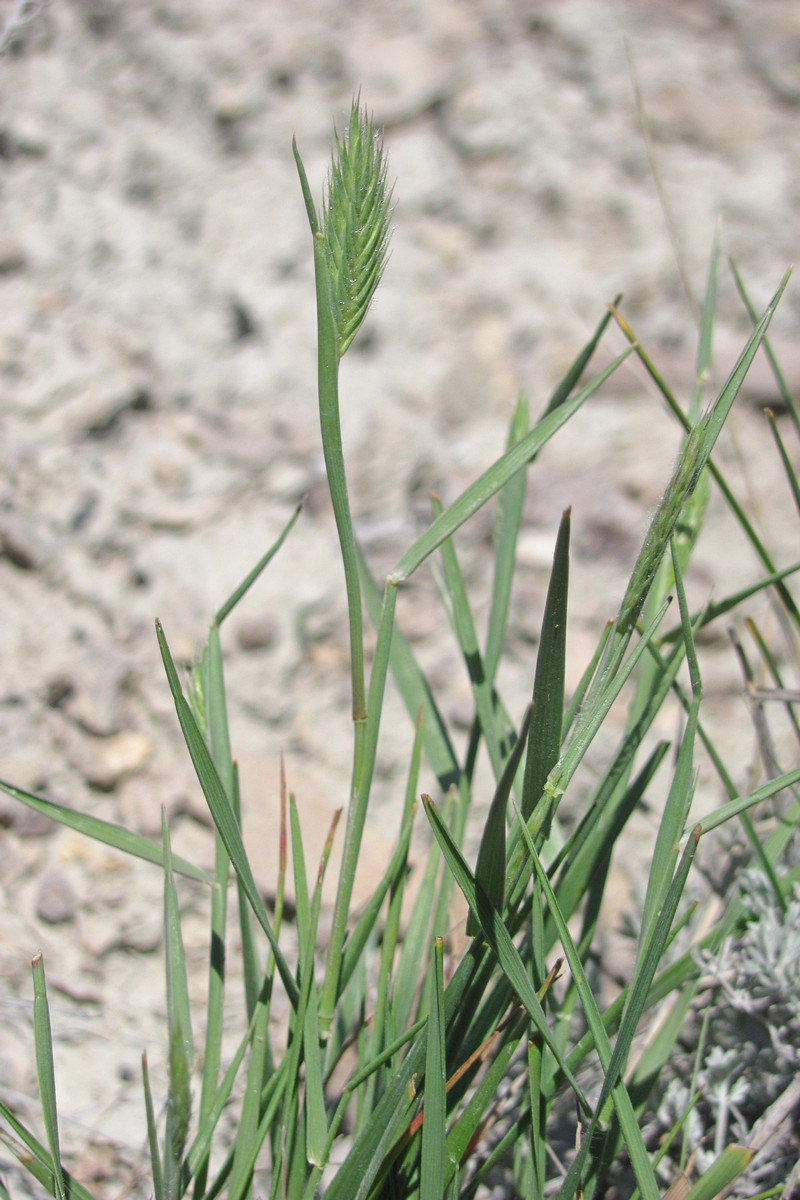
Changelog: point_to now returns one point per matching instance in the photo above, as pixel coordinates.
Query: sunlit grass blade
(771, 663)
(222, 812)
(498, 475)
(685, 477)
(104, 831)
(365, 926)
(414, 689)
(718, 608)
(506, 532)
(364, 751)
(743, 803)
(406, 982)
(734, 382)
(432, 1169)
(45, 1072)
(316, 1118)
(660, 1048)
(253, 575)
(544, 743)
(584, 859)
(207, 697)
(679, 798)
(251, 964)
(589, 721)
(466, 636)
(783, 454)
(785, 392)
(152, 1133)
(259, 996)
(179, 1032)
(722, 1172)
(33, 1156)
(381, 1027)
(579, 695)
(490, 867)
(499, 939)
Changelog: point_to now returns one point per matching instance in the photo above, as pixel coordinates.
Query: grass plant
(505, 1061)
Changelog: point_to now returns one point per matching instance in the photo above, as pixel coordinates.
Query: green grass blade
(365, 926)
(743, 803)
(381, 1025)
(365, 747)
(722, 1172)
(251, 965)
(587, 851)
(152, 1133)
(207, 697)
(316, 1119)
(688, 470)
(579, 364)
(179, 1031)
(499, 939)
(45, 1072)
(640, 1159)
(35, 1159)
(738, 512)
(490, 868)
(467, 638)
(374, 1143)
(783, 454)
(506, 531)
(579, 695)
(716, 609)
(635, 1004)
(589, 721)
(253, 575)
(480, 1101)
(432, 1167)
(703, 362)
(415, 691)
(259, 1064)
(407, 976)
(785, 392)
(222, 813)
(104, 831)
(673, 818)
(497, 476)
(544, 743)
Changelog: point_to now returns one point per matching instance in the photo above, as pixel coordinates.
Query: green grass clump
(510, 1060)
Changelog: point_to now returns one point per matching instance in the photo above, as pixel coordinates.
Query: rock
(93, 687)
(22, 541)
(104, 762)
(55, 901)
(141, 798)
(12, 255)
(256, 633)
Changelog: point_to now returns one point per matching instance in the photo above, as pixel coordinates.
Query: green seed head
(355, 224)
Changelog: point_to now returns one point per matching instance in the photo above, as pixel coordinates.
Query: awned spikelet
(355, 223)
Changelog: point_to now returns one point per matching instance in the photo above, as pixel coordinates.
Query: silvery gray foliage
(750, 1048)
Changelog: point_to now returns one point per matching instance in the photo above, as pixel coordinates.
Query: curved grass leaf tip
(355, 224)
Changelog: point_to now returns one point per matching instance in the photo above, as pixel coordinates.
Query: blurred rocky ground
(158, 420)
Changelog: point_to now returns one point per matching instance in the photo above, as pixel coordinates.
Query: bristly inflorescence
(355, 223)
